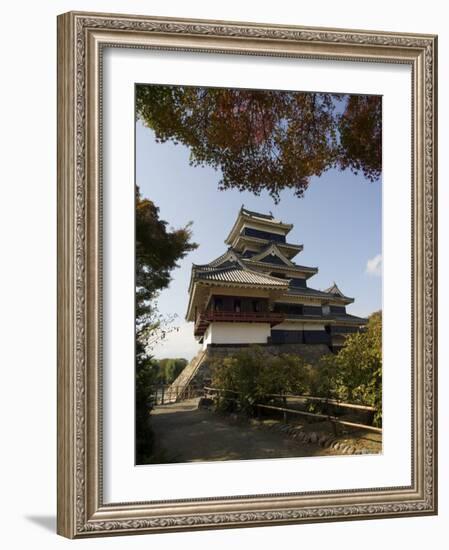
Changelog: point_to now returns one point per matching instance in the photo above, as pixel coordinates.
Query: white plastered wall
(237, 333)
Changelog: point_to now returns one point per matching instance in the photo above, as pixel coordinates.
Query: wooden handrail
(220, 390)
(327, 400)
(333, 419)
(209, 316)
(310, 398)
(330, 418)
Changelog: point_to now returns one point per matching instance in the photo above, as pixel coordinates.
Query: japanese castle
(256, 294)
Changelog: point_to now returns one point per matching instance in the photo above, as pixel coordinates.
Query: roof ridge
(269, 216)
(293, 266)
(334, 290)
(222, 268)
(265, 275)
(273, 245)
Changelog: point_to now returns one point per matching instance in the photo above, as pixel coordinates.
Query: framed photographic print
(246, 276)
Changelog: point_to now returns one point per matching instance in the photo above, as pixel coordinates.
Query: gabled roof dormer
(334, 291)
(273, 253)
(229, 257)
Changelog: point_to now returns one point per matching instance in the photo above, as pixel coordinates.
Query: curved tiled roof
(335, 290)
(349, 317)
(256, 214)
(318, 293)
(293, 267)
(235, 274)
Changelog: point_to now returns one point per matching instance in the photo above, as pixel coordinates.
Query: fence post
(285, 417)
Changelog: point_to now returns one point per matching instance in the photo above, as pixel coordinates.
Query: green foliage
(266, 139)
(146, 376)
(158, 250)
(256, 375)
(361, 136)
(169, 369)
(354, 374)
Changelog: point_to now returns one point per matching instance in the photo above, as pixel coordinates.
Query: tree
(257, 375)
(361, 136)
(169, 369)
(266, 139)
(158, 250)
(354, 374)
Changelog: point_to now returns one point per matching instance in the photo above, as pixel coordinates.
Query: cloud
(374, 266)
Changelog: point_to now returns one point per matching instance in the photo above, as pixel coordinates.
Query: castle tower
(255, 293)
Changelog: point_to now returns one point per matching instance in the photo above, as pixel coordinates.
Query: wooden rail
(333, 419)
(326, 400)
(167, 393)
(330, 418)
(243, 316)
(220, 390)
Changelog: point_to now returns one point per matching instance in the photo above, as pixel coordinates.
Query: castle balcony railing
(204, 319)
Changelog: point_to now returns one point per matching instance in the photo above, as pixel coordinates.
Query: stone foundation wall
(309, 352)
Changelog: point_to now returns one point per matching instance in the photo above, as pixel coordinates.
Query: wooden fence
(286, 411)
(167, 393)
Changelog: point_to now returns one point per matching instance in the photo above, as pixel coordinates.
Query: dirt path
(185, 433)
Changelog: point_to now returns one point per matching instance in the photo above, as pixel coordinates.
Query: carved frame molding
(81, 39)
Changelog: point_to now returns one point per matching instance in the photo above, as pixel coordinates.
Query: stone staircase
(177, 389)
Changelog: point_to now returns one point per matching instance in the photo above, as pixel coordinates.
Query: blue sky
(338, 221)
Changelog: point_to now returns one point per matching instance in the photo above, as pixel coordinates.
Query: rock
(322, 440)
(205, 402)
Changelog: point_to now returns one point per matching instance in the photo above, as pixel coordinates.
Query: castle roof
(253, 262)
(235, 274)
(266, 222)
(260, 216)
(314, 293)
(257, 247)
(348, 318)
(335, 290)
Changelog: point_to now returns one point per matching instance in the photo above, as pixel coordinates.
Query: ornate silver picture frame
(82, 510)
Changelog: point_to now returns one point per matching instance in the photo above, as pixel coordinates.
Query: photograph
(258, 274)
(247, 283)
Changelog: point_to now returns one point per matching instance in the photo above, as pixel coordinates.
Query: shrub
(256, 375)
(354, 374)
